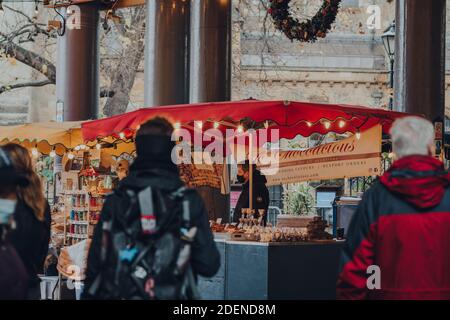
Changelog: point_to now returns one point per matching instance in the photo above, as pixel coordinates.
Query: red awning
(291, 118)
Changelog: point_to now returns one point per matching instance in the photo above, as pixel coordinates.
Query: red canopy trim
(290, 118)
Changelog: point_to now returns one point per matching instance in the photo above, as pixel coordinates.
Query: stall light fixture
(341, 124)
(177, 125)
(35, 152)
(36, 9)
(240, 129)
(327, 124)
(122, 135)
(52, 153)
(266, 124)
(216, 125)
(309, 124)
(199, 124)
(82, 147)
(77, 148)
(358, 135)
(70, 156)
(98, 146)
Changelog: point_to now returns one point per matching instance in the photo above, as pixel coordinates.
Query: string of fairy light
(128, 135)
(36, 4)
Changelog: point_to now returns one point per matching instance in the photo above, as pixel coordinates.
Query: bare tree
(13, 46)
(25, 39)
(124, 66)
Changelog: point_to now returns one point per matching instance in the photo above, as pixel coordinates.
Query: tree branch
(30, 58)
(25, 84)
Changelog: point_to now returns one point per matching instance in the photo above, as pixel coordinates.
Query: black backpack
(146, 251)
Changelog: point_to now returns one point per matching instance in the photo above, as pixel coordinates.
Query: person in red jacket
(399, 239)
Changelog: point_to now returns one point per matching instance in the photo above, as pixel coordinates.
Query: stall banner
(351, 157)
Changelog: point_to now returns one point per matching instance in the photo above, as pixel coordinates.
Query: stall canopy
(291, 118)
(45, 137)
(60, 137)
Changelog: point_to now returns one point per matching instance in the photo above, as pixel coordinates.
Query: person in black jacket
(13, 275)
(153, 167)
(32, 217)
(260, 192)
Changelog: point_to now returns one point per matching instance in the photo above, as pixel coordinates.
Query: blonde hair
(33, 193)
(411, 136)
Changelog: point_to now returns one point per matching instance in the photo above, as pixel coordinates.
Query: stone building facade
(348, 66)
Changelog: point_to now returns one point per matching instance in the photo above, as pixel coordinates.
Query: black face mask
(240, 179)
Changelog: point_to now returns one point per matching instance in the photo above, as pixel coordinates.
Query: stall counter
(265, 271)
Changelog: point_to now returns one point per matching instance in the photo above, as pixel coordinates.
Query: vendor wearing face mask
(13, 275)
(260, 192)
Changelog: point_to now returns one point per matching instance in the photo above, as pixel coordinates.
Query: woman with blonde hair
(32, 218)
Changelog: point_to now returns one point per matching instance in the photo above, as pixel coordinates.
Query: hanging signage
(351, 157)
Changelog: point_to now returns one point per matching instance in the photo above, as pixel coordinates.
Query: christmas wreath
(309, 31)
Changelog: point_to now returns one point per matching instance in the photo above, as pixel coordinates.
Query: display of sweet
(316, 230)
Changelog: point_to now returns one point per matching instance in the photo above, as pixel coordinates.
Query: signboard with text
(350, 157)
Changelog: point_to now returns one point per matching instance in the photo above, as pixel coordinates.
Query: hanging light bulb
(266, 124)
(36, 9)
(341, 124)
(122, 135)
(177, 125)
(240, 129)
(199, 124)
(216, 124)
(309, 124)
(77, 148)
(52, 153)
(70, 156)
(98, 146)
(358, 135)
(82, 147)
(34, 152)
(327, 125)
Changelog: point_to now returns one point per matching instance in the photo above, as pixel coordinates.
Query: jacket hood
(162, 178)
(419, 180)
(153, 165)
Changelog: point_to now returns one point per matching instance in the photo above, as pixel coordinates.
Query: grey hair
(411, 136)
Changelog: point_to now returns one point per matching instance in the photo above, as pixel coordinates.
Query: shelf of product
(82, 214)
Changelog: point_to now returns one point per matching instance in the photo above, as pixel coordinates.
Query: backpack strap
(106, 237)
(185, 209)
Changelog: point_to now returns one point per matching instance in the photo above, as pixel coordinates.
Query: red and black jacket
(402, 225)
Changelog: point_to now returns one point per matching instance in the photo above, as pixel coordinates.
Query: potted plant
(299, 207)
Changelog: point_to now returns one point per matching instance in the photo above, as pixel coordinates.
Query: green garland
(309, 31)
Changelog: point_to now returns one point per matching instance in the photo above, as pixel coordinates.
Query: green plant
(300, 200)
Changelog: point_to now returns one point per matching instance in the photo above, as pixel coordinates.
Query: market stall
(76, 176)
(287, 263)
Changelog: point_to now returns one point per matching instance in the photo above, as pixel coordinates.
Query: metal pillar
(210, 50)
(77, 82)
(210, 73)
(167, 52)
(420, 58)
